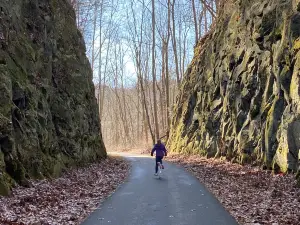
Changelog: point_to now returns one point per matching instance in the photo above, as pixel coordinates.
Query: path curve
(176, 199)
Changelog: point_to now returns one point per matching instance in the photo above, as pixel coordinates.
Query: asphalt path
(178, 198)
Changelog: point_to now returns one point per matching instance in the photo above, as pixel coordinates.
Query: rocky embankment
(48, 111)
(240, 97)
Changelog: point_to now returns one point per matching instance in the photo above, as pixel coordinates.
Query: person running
(161, 151)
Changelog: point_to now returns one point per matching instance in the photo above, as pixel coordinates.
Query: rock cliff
(240, 97)
(48, 111)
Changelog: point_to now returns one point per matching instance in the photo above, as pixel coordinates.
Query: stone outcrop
(48, 111)
(240, 97)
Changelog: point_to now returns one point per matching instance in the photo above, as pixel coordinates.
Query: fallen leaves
(251, 195)
(66, 200)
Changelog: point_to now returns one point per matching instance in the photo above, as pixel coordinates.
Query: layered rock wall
(240, 97)
(48, 111)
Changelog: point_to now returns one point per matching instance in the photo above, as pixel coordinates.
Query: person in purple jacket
(161, 151)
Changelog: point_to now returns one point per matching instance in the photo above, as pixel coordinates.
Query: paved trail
(176, 199)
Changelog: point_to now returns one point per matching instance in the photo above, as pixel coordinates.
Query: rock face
(48, 111)
(240, 97)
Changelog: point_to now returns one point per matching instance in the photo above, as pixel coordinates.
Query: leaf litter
(252, 195)
(65, 200)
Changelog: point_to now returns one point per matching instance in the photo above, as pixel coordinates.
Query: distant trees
(139, 51)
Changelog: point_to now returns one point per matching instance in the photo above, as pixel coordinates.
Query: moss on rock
(48, 111)
(4, 186)
(247, 88)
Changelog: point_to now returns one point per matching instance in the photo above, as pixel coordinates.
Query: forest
(138, 112)
(137, 69)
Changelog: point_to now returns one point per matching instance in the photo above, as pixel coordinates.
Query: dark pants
(158, 159)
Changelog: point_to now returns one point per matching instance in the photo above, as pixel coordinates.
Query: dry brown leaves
(251, 195)
(66, 200)
(138, 150)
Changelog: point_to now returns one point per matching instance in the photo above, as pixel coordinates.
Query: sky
(119, 26)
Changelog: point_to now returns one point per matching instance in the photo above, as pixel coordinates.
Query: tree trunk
(175, 44)
(167, 69)
(94, 36)
(163, 84)
(153, 72)
(139, 134)
(195, 22)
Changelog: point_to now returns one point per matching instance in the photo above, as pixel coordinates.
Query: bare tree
(153, 72)
(195, 22)
(159, 53)
(173, 37)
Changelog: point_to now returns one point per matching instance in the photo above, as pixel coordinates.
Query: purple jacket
(160, 150)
